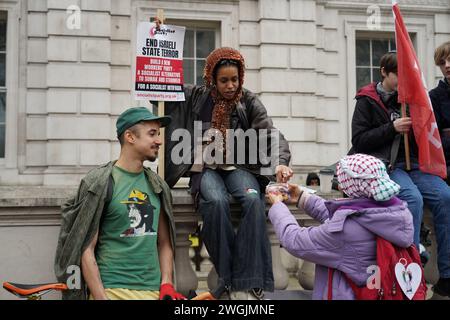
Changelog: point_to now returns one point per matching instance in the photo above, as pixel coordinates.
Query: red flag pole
(406, 139)
(412, 91)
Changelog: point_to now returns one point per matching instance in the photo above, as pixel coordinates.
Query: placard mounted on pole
(159, 62)
(159, 68)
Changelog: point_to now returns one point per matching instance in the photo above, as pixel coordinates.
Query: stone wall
(78, 81)
(72, 84)
(291, 49)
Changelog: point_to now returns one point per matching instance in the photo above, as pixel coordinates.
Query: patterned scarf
(222, 107)
(364, 176)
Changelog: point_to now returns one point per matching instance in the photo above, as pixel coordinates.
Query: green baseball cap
(131, 116)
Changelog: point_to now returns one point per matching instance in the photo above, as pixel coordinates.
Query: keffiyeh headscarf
(222, 107)
(364, 176)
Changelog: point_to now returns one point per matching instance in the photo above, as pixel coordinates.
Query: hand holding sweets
(287, 192)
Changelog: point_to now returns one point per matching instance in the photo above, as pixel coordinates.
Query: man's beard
(152, 158)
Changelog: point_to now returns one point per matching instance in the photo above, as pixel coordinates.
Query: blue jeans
(418, 188)
(243, 260)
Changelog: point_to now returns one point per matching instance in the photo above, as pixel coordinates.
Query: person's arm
(91, 272)
(259, 119)
(365, 136)
(445, 138)
(165, 250)
(182, 118)
(313, 205)
(315, 244)
(165, 253)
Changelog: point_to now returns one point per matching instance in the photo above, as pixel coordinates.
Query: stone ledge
(40, 205)
(34, 196)
(47, 196)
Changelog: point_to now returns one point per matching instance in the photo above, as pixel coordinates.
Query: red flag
(412, 90)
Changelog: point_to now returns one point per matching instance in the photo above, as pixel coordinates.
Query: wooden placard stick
(161, 107)
(406, 139)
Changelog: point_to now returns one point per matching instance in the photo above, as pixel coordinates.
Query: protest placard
(159, 62)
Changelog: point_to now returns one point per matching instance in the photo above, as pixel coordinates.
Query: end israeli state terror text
(160, 48)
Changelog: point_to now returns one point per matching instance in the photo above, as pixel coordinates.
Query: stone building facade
(65, 86)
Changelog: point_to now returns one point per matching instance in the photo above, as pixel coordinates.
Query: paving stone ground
(295, 292)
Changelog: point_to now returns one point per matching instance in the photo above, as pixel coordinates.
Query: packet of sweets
(282, 188)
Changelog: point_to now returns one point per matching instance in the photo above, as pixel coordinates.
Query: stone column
(212, 278)
(186, 278)
(186, 221)
(280, 275)
(306, 274)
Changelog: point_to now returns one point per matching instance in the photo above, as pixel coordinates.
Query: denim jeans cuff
(221, 282)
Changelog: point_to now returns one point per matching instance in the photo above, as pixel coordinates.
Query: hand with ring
(283, 173)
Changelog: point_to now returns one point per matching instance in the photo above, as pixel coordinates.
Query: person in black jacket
(440, 99)
(377, 129)
(218, 169)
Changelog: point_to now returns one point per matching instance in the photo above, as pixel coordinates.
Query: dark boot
(442, 287)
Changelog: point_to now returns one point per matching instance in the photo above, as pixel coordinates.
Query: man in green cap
(119, 227)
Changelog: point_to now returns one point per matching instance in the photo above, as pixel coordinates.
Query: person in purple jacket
(346, 238)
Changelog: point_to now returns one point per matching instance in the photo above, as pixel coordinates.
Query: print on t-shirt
(140, 212)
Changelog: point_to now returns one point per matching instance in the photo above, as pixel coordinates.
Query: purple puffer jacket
(346, 238)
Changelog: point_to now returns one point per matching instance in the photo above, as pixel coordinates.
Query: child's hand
(295, 192)
(274, 197)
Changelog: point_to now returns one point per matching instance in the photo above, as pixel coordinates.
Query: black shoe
(442, 287)
(192, 294)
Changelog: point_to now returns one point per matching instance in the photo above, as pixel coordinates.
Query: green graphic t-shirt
(126, 253)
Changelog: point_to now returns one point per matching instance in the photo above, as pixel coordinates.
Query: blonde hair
(441, 53)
